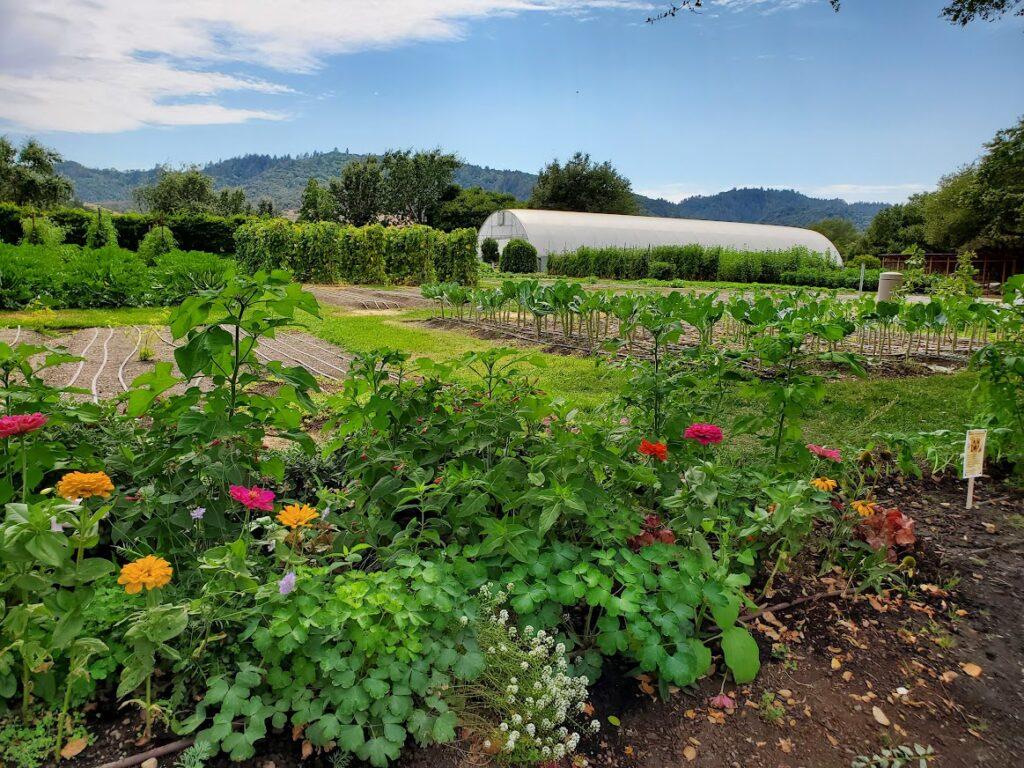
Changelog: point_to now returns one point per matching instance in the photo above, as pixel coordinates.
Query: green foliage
(176, 275)
(414, 183)
(158, 241)
(39, 230)
(328, 252)
(188, 191)
(902, 756)
(842, 232)
(30, 745)
(489, 250)
(661, 270)
(686, 262)
(518, 256)
(869, 261)
(583, 185)
(317, 203)
(468, 208)
(101, 232)
(455, 259)
(10, 223)
(28, 176)
(104, 277)
(358, 194)
(896, 228)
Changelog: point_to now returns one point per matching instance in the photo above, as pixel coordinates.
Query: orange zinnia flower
(297, 515)
(864, 508)
(150, 572)
(825, 484)
(658, 450)
(84, 485)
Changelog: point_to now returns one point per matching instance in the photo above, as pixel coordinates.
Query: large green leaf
(741, 654)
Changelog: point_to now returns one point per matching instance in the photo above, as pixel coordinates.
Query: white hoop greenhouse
(562, 231)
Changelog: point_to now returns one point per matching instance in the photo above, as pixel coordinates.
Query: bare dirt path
(112, 359)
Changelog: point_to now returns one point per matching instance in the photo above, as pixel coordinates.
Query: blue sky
(872, 103)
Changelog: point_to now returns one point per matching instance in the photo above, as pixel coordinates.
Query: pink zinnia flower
(253, 498)
(21, 424)
(832, 454)
(705, 434)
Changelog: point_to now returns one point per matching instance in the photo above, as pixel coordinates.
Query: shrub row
(199, 232)
(325, 252)
(831, 278)
(686, 262)
(67, 276)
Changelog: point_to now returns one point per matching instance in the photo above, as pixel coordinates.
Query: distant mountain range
(282, 180)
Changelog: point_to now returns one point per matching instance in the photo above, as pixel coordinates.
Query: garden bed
(963, 609)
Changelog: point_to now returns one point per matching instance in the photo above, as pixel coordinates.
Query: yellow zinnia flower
(824, 484)
(83, 485)
(150, 572)
(297, 515)
(864, 508)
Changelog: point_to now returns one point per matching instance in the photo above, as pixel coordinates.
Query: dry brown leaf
(628, 750)
(786, 745)
(948, 676)
(836, 662)
(879, 716)
(690, 714)
(307, 749)
(847, 675)
(832, 739)
(971, 669)
(73, 747)
(690, 753)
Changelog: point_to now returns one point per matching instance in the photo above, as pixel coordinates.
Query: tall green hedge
(328, 252)
(199, 232)
(518, 256)
(687, 262)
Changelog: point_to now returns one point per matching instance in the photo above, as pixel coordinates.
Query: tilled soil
(112, 357)
(357, 297)
(941, 666)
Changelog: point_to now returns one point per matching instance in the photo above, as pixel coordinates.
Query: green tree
(28, 176)
(414, 183)
(896, 228)
(583, 185)
(317, 203)
(358, 194)
(173, 192)
(469, 207)
(841, 232)
(951, 219)
(998, 194)
(963, 12)
(265, 207)
(230, 202)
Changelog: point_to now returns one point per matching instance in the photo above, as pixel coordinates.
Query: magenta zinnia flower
(832, 454)
(253, 498)
(21, 424)
(705, 434)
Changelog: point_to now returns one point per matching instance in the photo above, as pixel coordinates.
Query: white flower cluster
(532, 693)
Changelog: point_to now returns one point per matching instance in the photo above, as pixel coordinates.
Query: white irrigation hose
(120, 371)
(103, 364)
(17, 335)
(291, 356)
(82, 354)
(334, 350)
(294, 349)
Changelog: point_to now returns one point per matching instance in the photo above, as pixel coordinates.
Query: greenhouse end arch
(554, 232)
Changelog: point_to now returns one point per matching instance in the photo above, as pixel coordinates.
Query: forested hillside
(283, 178)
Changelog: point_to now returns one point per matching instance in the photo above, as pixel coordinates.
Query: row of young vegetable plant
(949, 325)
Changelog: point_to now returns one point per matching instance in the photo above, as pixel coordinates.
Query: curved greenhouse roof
(560, 231)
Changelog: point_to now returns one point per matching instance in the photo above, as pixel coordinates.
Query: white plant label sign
(974, 453)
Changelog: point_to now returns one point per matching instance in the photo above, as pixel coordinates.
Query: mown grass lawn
(70, 319)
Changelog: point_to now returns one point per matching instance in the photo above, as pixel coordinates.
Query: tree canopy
(583, 185)
(469, 207)
(841, 232)
(28, 176)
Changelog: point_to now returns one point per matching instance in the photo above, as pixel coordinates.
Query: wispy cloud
(113, 65)
(99, 66)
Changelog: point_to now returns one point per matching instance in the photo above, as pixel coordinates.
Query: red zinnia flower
(832, 454)
(656, 449)
(253, 498)
(21, 424)
(705, 434)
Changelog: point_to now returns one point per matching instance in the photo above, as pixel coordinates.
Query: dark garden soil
(941, 665)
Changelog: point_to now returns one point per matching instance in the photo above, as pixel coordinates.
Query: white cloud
(673, 192)
(113, 65)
